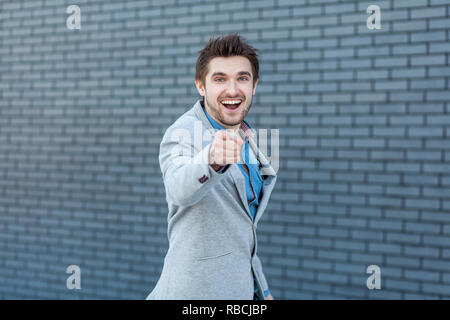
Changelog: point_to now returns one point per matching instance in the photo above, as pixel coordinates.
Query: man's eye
(243, 78)
(218, 80)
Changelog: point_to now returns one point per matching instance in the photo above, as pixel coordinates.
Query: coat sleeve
(187, 175)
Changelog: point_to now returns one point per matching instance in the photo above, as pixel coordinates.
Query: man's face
(228, 90)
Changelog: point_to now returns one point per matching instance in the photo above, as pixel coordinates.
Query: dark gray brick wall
(364, 132)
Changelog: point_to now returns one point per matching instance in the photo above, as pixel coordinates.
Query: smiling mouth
(231, 104)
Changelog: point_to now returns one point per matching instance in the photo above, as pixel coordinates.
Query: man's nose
(232, 89)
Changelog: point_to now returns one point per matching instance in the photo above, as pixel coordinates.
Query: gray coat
(212, 237)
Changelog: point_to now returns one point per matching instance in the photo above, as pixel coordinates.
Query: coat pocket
(214, 256)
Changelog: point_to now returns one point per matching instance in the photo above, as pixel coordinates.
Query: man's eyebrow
(246, 73)
(241, 73)
(218, 74)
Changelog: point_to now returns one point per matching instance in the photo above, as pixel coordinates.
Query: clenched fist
(225, 148)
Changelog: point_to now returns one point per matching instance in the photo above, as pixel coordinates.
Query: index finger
(238, 139)
(235, 136)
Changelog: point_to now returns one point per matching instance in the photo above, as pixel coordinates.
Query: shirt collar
(244, 126)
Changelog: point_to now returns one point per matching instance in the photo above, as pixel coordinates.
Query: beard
(218, 113)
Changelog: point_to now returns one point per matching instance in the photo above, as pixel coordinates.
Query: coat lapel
(239, 182)
(268, 185)
(268, 182)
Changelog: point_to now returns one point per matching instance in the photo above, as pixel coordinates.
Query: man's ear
(254, 86)
(200, 87)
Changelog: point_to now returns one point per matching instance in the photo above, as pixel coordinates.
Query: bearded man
(218, 188)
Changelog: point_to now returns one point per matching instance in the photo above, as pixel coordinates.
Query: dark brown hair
(228, 46)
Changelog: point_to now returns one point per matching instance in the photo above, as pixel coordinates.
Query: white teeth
(231, 102)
